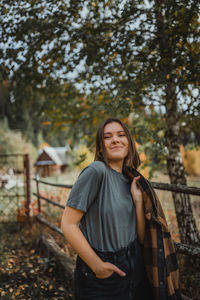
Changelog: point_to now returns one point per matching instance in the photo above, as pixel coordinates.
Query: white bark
(182, 203)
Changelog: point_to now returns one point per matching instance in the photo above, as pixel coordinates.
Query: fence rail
(191, 190)
(178, 188)
(180, 248)
(48, 200)
(68, 186)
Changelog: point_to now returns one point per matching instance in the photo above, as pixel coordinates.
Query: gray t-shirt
(109, 222)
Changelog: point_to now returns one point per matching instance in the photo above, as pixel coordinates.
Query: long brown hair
(132, 160)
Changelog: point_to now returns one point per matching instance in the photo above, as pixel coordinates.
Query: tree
(27, 71)
(138, 55)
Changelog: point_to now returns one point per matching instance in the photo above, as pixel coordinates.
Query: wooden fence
(180, 248)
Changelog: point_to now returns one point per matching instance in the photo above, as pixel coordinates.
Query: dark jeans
(134, 286)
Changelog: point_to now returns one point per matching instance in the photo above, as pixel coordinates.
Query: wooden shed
(51, 161)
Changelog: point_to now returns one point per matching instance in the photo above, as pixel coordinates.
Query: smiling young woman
(104, 221)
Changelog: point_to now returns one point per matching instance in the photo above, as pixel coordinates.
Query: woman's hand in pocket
(107, 269)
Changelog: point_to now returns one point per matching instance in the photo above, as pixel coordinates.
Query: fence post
(28, 184)
(38, 191)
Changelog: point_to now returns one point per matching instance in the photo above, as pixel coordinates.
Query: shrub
(12, 142)
(191, 160)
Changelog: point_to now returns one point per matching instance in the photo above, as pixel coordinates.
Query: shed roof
(56, 154)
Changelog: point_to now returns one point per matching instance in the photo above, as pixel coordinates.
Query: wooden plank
(187, 249)
(191, 190)
(68, 186)
(49, 224)
(48, 200)
(64, 262)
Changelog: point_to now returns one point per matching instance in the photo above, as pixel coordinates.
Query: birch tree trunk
(182, 203)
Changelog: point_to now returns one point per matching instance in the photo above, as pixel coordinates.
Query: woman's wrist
(137, 200)
(98, 267)
(101, 269)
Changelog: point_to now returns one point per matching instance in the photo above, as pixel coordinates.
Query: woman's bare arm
(140, 221)
(138, 201)
(76, 239)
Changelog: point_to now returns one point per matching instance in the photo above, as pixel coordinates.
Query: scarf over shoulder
(159, 253)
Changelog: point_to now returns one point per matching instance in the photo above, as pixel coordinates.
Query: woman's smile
(116, 148)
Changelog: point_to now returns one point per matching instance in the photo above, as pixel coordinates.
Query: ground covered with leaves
(24, 273)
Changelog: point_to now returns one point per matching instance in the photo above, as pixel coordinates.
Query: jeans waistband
(130, 249)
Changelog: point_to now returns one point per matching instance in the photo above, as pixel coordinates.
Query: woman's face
(115, 142)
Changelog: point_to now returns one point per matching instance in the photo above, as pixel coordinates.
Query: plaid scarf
(159, 253)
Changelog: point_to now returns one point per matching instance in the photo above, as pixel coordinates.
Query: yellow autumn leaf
(168, 76)
(45, 123)
(111, 57)
(151, 107)
(132, 32)
(72, 46)
(180, 44)
(57, 124)
(43, 59)
(100, 98)
(109, 34)
(94, 121)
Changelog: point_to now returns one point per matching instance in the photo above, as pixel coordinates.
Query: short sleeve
(85, 190)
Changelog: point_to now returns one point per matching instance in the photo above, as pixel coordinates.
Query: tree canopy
(129, 50)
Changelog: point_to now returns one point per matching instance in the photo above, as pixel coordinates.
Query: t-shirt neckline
(121, 175)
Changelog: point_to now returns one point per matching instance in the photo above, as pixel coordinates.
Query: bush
(191, 160)
(82, 157)
(12, 142)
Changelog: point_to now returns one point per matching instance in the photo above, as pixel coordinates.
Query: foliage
(135, 48)
(83, 157)
(191, 160)
(122, 56)
(26, 67)
(13, 142)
